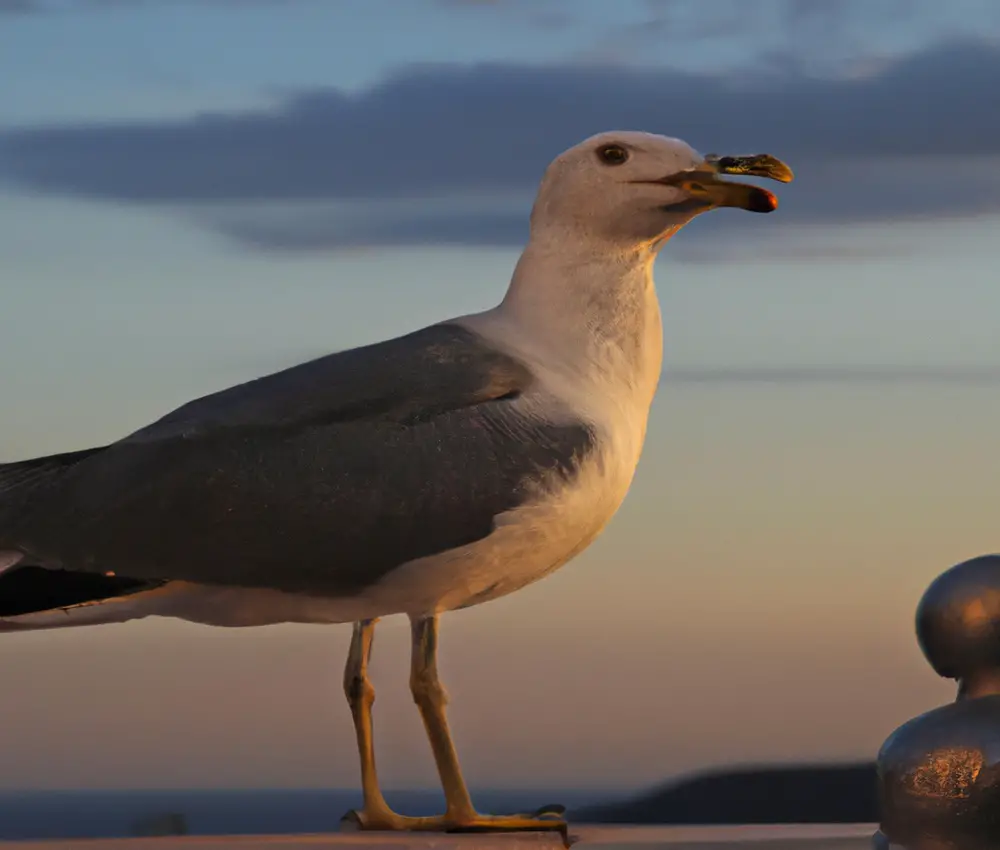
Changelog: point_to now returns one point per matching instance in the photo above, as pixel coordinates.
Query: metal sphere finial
(958, 623)
(939, 773)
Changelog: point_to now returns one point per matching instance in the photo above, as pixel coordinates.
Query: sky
(197, 192)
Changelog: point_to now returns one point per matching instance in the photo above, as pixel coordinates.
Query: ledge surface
(819, 837)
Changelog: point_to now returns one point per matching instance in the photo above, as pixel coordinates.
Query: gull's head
(635, 188)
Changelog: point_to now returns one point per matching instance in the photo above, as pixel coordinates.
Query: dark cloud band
(910, 140)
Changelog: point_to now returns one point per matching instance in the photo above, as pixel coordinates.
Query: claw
(556, 809)
(354, 821)
(357, 820)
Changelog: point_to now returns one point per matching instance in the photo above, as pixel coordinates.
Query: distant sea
(112, 814)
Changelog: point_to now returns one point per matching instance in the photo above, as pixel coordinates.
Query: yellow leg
(375, 814)
(361, 697)
(460, 815)
(431, 699)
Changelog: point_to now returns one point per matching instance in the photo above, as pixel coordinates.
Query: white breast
(607, 386)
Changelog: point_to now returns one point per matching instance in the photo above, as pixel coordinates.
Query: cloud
(53, 6)
(853, 375)
(918, 138)
(823, 36)
(19, 7)
(302, 232)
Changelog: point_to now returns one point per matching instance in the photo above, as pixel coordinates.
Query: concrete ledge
(819, 837)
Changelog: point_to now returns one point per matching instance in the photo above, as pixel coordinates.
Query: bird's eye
(612, 154)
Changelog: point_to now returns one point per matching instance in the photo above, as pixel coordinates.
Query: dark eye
(612, 154)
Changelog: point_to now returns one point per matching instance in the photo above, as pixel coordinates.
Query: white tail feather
(119, 609)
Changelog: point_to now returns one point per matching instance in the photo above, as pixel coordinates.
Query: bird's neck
(591, 305)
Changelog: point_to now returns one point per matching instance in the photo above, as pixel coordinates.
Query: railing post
(939, 774)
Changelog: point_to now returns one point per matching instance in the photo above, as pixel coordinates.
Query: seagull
(413, 476)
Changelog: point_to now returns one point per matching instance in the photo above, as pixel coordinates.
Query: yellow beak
(704, 187)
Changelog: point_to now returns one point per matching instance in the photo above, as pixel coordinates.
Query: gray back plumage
(320, 478)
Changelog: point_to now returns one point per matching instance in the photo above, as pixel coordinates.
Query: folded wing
(321, 478)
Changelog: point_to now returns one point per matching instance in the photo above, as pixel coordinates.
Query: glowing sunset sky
(196, 193)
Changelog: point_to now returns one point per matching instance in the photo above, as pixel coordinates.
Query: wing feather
(320, 478)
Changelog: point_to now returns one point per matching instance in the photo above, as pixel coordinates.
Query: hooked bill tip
(752, 165)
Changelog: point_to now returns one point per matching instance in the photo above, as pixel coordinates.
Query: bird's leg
(430, 697)
(360, 693)
(460, 815)
(375, 814)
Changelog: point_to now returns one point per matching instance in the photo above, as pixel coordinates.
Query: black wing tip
(31, 589)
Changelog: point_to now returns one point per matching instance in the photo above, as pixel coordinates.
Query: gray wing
(408, 378)
(320, 479)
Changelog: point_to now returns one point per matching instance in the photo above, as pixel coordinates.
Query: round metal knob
(939, 774)
(958, 624)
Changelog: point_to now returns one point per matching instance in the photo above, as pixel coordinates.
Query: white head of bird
(632, 189)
